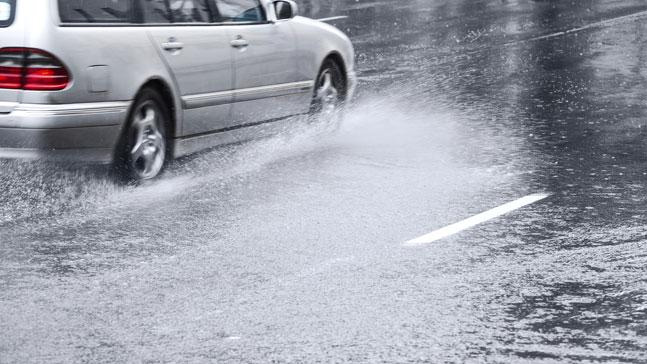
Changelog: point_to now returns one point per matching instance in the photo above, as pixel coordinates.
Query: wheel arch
(339, 60)
(165, 91)
(164, 88)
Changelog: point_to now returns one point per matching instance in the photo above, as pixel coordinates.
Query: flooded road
(291, 249)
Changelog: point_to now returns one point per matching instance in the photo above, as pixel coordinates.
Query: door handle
(172, 45)
(239, 42)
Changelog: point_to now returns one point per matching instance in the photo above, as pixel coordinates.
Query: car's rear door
(199, 55)
(12, 34)
(266, 78)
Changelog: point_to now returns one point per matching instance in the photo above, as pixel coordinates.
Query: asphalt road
(292, 248)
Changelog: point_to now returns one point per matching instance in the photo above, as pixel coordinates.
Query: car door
(266, 80)
(199, 55)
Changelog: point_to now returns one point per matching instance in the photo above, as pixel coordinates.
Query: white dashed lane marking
(599, 24)
(476, 220)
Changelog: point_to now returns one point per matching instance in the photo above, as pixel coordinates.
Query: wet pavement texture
(290, 249)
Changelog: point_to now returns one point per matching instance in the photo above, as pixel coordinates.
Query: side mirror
(285, 9)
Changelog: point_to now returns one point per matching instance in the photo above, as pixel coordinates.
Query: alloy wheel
(327, 95)
(148, 152)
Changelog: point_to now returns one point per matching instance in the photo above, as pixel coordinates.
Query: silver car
(135, 83)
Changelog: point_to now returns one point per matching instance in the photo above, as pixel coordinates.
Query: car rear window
(95, 11)
(7, 12)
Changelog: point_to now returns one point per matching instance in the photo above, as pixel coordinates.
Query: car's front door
(199, 55)
(265, 77)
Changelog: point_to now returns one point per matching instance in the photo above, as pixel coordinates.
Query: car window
(189, 11)
(7, 9)
(156, 11)
(240, 11)
(95, 11)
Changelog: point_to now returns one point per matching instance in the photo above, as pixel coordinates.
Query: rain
(292, 247)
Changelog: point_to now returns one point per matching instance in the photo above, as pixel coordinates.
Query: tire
(329, 95)
(143, 148)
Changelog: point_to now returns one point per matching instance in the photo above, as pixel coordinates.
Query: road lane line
(476, 220)
(602, 23)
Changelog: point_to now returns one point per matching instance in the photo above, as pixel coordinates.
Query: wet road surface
(291, 249)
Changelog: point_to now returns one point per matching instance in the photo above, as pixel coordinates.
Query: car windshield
(6, 12)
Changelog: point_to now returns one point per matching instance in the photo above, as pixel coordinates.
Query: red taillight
(46, 79)
(11, 77)
(11, 67)
(31, 69)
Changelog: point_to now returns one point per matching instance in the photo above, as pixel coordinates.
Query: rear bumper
(73, 132)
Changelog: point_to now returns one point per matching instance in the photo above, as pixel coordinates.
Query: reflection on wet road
(290, 249)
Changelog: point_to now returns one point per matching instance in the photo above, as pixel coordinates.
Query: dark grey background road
(290, 249)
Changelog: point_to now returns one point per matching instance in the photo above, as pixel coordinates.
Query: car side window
(240, 11)
(189, 11)
(156, 12)
(95, 11)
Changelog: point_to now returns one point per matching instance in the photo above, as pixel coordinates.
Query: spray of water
(375, 129)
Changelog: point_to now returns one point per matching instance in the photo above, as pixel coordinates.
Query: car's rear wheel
(143, 149)
(329, 96)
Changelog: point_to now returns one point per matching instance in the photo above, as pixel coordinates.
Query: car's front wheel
(143, 149)
(329, 96)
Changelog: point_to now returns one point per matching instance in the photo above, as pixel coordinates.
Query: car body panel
(309, 58)
(266, 80)
(203, 67)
